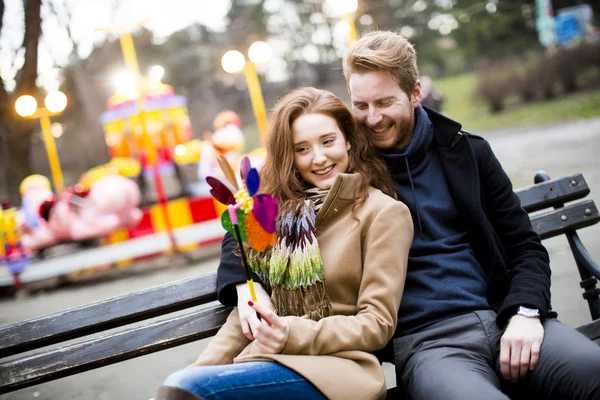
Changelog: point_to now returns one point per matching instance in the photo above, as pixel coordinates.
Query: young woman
(335, 299)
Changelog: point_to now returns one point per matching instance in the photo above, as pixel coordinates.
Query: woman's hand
(272, 333)
(248, 318)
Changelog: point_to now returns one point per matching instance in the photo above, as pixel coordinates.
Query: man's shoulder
(471, 135)
(478, 143)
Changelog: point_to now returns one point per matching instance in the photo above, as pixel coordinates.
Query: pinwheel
(249, 216)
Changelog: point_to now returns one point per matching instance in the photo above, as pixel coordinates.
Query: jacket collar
(445, 130)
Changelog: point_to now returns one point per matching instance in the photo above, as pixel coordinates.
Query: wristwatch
(528, 312)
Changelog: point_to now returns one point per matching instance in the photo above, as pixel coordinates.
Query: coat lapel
(461, 173)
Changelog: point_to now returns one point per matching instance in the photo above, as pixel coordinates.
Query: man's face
(383, 108)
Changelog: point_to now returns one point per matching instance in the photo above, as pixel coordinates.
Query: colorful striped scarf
(293, 268)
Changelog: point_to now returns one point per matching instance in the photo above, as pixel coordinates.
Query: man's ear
(415, 98)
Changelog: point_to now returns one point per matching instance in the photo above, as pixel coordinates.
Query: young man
(475, 316)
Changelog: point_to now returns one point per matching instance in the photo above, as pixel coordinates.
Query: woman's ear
(348, 146)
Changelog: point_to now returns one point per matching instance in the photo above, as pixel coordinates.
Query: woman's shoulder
(377, 201)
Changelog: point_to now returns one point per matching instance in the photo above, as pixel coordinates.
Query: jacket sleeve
(385, 257)
(529, 264)
(231, 272)
(226, 345)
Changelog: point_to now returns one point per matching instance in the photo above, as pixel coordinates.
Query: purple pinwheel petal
(252, 181)
(265, 211)
(219, 191)
(245, 168)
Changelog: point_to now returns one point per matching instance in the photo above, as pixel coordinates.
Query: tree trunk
(15, 132)
(16, 158)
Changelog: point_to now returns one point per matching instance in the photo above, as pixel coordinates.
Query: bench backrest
(54, 363)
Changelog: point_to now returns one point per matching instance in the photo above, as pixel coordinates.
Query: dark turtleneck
(444, 279)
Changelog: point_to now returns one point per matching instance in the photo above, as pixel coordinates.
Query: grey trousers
(459, 359)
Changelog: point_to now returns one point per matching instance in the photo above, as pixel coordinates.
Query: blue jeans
(251, 380)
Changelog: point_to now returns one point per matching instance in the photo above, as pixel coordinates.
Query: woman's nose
(319, 157)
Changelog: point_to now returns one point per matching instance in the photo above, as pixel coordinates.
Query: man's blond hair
(384, 51)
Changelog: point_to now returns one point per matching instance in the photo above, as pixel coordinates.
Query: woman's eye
(328, 141)
(300, 149)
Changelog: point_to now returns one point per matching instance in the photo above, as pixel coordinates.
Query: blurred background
(494, 64)
(153, 90)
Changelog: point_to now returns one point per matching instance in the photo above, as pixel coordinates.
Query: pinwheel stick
(233, 216)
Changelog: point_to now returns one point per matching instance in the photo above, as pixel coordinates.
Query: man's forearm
(231, 272)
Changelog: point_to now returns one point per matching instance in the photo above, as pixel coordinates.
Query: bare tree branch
(32, 36)
(65, 21)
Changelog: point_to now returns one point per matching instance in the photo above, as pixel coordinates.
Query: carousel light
(260, 52)
(56, 101)
(233, 61)
(125, 84)
(343, 6)
(156, 73)
(26, 106)
(57, 129)
(180, 150)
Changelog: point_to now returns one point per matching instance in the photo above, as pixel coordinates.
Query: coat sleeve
(231, 272)
(385, 254)
(529, 264)
(226, 345)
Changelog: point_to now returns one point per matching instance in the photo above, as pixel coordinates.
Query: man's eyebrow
(391, 97)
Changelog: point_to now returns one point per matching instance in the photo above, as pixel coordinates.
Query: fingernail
(250, 303)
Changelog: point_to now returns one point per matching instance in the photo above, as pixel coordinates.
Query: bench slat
(553, 192)
(571, 217)
(69, 360)
(112, 313)
(591, 330)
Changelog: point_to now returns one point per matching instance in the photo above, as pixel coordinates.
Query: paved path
(560, 150)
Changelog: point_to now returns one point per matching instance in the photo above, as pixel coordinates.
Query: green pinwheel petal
(228, 225)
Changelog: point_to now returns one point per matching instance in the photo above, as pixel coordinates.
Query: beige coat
(365, 268)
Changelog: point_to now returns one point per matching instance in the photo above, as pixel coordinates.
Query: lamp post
(233, 62)
(55, 102)
(131, 62)
(348, 9)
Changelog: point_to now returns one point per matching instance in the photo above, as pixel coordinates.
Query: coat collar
(343, 192)
(445, 130)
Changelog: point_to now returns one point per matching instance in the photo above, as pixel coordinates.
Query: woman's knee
(188, 379)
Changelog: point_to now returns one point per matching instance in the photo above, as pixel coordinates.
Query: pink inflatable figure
(111, 203)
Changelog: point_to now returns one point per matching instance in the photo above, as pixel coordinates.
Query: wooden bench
(24, 370)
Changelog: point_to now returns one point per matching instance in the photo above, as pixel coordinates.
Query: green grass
(461, 105)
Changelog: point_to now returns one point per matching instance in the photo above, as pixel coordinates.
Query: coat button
(335, 209)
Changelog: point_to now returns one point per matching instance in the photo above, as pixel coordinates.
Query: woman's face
(320, 149)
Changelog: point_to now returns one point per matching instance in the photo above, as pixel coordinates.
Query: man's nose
(374, 117)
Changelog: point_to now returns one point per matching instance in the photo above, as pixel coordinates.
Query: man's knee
(448, 379)
(569, 364)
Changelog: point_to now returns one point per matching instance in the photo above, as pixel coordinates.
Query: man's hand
(272, 333)
(248, 318)
(520, 347)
